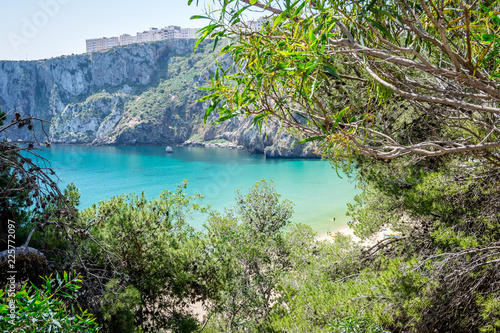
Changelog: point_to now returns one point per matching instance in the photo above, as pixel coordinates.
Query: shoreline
(348, 231)
(345, 230)
(228, 145)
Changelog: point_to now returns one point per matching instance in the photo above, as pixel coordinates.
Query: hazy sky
(38, 29)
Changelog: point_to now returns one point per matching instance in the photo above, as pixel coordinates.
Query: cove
(318, 193)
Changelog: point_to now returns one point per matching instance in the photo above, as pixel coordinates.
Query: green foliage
(261, 210)
(153, 253)
(251, 255)
(356, 324)
(258, 273)
(334, 70)
(15, 206)
(446, 208)
(42, 309)
(119, 307)
(53, 241)
(490, 313)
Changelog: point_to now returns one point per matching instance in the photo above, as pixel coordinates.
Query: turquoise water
(318, 193)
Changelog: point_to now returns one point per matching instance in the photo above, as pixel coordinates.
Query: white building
(143, 37)
(187, 33)
(154, 34)
(97, 44)
(91, 45)
(111, 42)
(151, 35)
(170, 32)
(255, 25)
(127, 39)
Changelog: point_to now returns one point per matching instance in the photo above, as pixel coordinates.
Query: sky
(40, 29)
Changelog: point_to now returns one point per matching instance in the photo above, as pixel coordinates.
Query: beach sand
(347, 231)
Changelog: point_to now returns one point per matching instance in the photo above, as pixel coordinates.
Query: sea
(320, 193)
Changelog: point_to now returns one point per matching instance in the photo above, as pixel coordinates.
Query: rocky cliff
(136, 94)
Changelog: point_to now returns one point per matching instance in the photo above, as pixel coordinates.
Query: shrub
(34, 309)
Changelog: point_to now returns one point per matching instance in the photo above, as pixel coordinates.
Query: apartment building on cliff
(151, 35)
(102, 43)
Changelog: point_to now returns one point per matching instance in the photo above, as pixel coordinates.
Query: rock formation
(133, 95)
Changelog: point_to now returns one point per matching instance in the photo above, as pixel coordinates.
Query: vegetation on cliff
(159, 111)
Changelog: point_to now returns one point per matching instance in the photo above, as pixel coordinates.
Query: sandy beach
(347, 231)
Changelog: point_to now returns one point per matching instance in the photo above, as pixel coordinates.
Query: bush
(357, 323)
(43, 310)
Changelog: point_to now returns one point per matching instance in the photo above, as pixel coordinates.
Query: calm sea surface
(318, 193)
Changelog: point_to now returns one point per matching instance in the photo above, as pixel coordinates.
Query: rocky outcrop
(240, 133)
(137, 94)
(89, 121)
(286, 147)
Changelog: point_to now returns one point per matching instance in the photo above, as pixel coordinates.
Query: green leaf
(278, 20)
(339, 116)
(209, 111)
(299, 9)
(488, 37)
(197, 17)
(224, 118)
(382, 29)
(330, 69)
(258, 118)
(235, 19)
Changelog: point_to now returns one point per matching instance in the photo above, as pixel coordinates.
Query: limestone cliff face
(137, 94)
(46, 87)
(271, 140)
